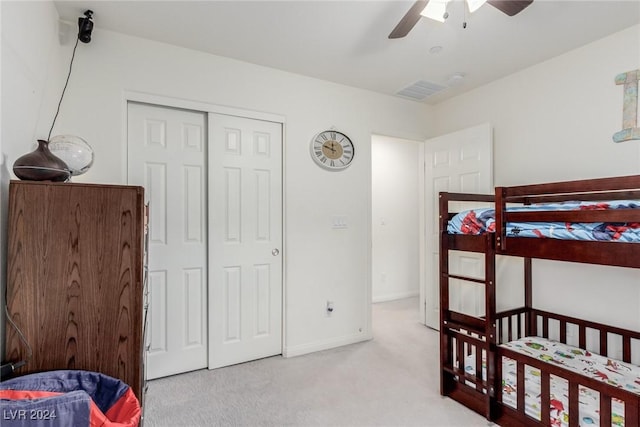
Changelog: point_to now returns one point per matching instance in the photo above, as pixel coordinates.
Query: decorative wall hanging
(630, 129)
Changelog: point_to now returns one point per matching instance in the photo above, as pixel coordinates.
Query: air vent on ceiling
(420, 90)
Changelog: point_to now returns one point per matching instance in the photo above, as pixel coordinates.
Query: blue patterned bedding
(480, 221)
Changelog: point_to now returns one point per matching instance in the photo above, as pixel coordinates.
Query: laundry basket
(67, 398)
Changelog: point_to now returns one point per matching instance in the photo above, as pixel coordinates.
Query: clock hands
(330, 146)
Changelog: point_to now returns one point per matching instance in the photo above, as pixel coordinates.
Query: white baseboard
(299, 350)
(394, 296)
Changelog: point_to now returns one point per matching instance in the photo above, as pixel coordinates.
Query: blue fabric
(480, 221)
(71, 408)
(66, 410)
(103, 389)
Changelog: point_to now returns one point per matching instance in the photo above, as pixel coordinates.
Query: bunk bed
(526, 366)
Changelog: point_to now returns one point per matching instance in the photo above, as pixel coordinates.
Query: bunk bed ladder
(464, 335)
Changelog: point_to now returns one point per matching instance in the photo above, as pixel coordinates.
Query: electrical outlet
(329, 308)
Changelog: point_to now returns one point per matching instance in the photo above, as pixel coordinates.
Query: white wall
(554, 121)
(31, 79)
(113, 64)
(394, 208)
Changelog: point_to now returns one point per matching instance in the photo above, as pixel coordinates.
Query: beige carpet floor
(392, 380)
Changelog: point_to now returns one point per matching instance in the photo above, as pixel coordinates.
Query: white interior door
(166, 155)
(245, 260)
(457, 162)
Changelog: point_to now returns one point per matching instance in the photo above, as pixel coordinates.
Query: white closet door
(245, 217)
(166, 154)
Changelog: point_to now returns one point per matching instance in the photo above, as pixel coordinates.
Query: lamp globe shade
(74, 151)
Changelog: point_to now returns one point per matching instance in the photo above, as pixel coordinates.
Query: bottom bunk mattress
(613, 372)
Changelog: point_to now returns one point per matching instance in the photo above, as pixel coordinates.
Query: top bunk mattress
(482, 220)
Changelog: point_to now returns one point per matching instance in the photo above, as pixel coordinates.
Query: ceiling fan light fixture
(436, 10)
(474, 5)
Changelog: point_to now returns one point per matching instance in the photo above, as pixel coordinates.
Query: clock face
(332, 150)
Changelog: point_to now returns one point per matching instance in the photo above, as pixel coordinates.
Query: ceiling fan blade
(409, 20)
(510, 7)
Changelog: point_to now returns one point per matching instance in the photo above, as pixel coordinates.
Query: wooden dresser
(75, 278)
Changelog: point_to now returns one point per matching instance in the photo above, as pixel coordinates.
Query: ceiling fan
(411, 18)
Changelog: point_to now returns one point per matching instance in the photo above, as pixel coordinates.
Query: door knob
(275, 252)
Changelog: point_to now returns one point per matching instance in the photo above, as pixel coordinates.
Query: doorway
(394, 212)
(406, 178)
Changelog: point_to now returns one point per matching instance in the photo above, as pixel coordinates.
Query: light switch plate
(339, 222)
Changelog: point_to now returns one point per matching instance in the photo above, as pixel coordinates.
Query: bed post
(500, 225)
(530, 324)
(490, 326)
(446, 379)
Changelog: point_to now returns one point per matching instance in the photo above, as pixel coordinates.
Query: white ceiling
(346, 41)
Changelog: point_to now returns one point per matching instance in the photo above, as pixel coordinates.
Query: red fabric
(595, 207)
(470, 224)
(126, 411)
(26, 394)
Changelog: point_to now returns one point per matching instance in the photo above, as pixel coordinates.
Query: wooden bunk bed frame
(462, 335)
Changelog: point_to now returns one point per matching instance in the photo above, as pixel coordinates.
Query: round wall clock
(332, 150)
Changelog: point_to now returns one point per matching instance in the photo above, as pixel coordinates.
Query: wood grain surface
(75, 272)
